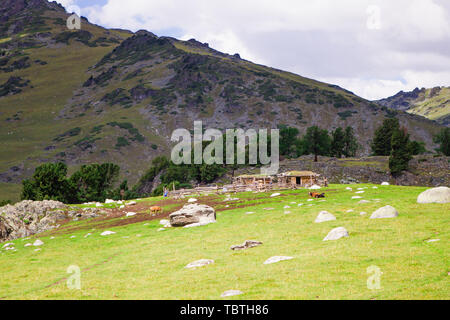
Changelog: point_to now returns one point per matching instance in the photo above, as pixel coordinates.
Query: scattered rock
(250, 212)
(364, 201)
(276, 259)
(315, 187)
(6, 245)
(28, 245)
(287, 212)
(87, 235)
(231, 293)
(349, 189)
(349, 211)
(356, 197)
(161, 229)
(269, 209)
(359, 192)
(199, 263)
(324, 216)
(287, 207)
(385, 183)
(107, 201)
(130, 214)
(131, 203)
(192, 200)
(433, 240)
(363, 213)
(385, 212)
(275, 195)
(107, 233)
(38, 243)
(336, 234)
(191, 214)
(98, 205)
(246, 245)
(435, 195)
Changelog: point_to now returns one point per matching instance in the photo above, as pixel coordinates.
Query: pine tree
(381, 145)
(337, 143)
(400, 153)
(443, 138)
(350, 143)
(317, 142)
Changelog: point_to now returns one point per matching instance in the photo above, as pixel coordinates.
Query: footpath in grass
(140, 262)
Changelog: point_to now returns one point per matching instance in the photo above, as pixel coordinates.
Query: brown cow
(155, 210)
(317, 195)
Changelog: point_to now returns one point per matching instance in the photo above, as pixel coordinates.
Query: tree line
(97, 182)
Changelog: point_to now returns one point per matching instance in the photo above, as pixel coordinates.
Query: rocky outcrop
(29, 217)
(193, 214)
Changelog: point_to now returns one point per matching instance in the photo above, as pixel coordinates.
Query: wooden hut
(298, 179)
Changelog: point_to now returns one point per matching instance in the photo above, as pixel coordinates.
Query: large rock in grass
(435, 195)
(324, 216)
(385, 212)
(193, 214)
(336, 234)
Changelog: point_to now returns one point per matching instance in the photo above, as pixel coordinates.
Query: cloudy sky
(374, 48)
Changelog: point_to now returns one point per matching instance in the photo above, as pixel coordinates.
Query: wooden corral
(248, 183)
(299, 179)
(253, 182)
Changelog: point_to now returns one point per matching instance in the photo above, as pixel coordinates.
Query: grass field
(139, 262)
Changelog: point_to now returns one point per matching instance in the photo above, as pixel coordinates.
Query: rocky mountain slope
(431, 103)
(95, 95)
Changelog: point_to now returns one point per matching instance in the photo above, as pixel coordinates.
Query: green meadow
(140, 262)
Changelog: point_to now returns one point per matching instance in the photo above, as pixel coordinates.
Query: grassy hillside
(140, 262)
(431, 103)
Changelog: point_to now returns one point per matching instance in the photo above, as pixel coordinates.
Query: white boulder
(385, 212)
(385, 183)
(38, 243)
(199, 263)
(193, 214)
(107, 233)
(231, 293)
(276, 259)
(435, 195)
(324, 216)
(275, 195)
(336, 234)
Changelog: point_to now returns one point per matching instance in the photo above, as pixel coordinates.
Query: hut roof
(260, 176)
(299, 174)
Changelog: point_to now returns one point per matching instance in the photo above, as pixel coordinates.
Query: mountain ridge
(432, 103)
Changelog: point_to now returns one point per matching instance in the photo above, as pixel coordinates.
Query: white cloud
(372, 47)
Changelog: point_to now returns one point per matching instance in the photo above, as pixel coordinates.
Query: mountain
(431, 103)
(96, 94)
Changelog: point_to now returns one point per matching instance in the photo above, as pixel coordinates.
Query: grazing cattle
(155, 210)
(317, 195)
